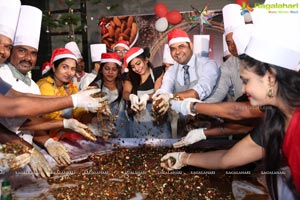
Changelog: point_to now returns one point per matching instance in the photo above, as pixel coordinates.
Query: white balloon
(161, 24)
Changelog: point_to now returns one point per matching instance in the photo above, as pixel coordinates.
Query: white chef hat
(225, 47)
(277, 46)
(167, 58)
(241, 37)
(29, 27)
(96, 51)
(201, 44)
(72, 46)
(9, 16)
(232, 17)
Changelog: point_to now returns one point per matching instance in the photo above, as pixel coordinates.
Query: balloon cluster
(165, 17)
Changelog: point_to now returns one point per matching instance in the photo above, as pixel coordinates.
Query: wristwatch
(193, 109)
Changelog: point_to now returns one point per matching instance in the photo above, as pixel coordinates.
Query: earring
(270, 92)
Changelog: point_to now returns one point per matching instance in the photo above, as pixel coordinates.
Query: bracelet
(188, 158)
(193, 109)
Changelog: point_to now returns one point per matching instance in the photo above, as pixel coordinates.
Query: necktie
(186, 75)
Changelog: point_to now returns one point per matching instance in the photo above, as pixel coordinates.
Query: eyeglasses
(121, 51)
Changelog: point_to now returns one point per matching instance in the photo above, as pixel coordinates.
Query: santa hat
(232, 17)
(132, 53)
(61, 53)
(121, 43)
(29, 27)
(178, 35)
(96, 51)
(46, 67)
(167, 58)
(9, 15)
(72, 46)
(111, 57)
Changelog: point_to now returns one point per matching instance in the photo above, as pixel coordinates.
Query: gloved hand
(11, 162)
(134, 100)
(58, 152)
(79, 128)
(143, 101)
(164, 104)
(83, 99)
(172, 161)
(39, 164)
(192, 137)
(183, 107)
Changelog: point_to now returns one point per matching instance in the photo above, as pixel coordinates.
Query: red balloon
(240, 2)
(174, 17)
(160, 9)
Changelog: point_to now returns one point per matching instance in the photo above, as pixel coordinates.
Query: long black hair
(273, 126)
(135, 78)
(119, 81)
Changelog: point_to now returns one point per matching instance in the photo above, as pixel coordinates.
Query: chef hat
(241, 37)
(96, 51)
(167, 58)
(178, 35)
(111, 57)
(232, 17)
(225, 47)
(61, 53)
(132, 53)
(275, 46)
(72, 46)
(121, 43)
(29, 27)
(201, 45)
(46, 67)
(9, 15)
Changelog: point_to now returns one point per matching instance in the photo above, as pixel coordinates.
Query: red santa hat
(178, 35)
(111, 57)
(121, 43)
(132, 53)
(61, 53)
(46, 67)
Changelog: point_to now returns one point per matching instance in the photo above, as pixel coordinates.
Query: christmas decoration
(160, 9)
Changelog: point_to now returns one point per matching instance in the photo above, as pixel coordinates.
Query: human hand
(57, 151)
(183, 107)
(192, 137)
(39, 164)
(172, 161)
(143, 101)
(134, 100)
(79, 128)
(163, 100)
(11, 162)
(83, 99)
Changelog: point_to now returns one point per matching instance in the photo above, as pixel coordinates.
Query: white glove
(167, 163)
(183, 107)
(143, 101)
(57, 151)
(39, 164)
(79, 128)
(164, 104)
(134, 100)
(83, 99)
(192, 137)
(11, 162)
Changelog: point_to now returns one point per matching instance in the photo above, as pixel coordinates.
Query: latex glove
(166, 161)
(134, 100)
(183, 107)
(58, 152)
(79, 128)
(192, 137)
(164, 104)
(83, 99)
(11, 162)
(39, 164)
(143, 102)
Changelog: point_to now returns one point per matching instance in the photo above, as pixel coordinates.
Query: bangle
(188, 158)
(193, 109)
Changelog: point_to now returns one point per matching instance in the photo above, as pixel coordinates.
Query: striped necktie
(186, 75)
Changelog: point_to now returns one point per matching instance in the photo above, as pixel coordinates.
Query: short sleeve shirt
(257, 136)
